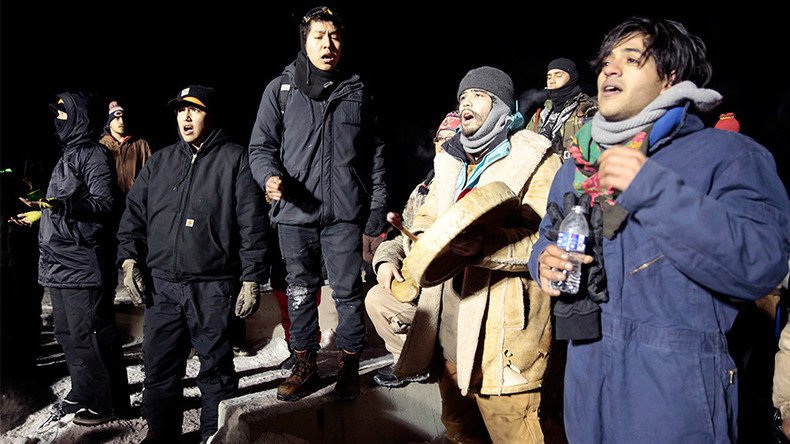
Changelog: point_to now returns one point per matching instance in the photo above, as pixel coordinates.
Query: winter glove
(596, 274)
(377, 222)
(26, 219)
(248, 300)
(133, 281)
(577, 317)
(51, 202)
(556, 216)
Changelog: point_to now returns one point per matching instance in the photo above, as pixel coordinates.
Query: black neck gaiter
(564, 93)
(315, 83)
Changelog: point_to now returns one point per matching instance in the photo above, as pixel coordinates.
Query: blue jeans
(340, 245)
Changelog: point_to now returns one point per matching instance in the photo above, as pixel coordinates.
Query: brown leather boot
(347, 385)
(303, 377)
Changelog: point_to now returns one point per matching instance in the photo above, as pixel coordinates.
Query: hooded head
(75, 116)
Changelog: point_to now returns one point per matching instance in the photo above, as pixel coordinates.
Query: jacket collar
(689, 123)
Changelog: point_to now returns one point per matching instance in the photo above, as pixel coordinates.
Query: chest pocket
(350, 111)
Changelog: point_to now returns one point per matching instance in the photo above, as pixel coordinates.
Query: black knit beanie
(492, 80)
(566, 65)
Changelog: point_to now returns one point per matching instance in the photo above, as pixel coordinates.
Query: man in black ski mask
(566, 109)
(76, 251)
(315, 152)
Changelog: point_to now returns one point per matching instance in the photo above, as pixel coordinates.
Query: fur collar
(527, 150)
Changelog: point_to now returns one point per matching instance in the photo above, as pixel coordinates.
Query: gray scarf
(498, 119)
(607, 133)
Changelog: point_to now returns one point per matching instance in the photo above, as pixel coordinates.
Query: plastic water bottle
(572, 237)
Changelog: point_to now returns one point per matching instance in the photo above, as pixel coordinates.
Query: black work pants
(85, 328)
(196, 312)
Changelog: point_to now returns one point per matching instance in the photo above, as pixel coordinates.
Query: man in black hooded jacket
(314, 150)
(194, 227)
(76, 263)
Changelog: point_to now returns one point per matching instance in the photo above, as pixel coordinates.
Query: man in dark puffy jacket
(314, 151)
(76, 264)
(194, 228)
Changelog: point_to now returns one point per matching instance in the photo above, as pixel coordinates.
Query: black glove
(578, 316)
(569, 200)
(377, 222)
(596, 274)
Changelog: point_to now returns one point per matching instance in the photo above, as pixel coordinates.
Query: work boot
(303, 377)
(347, 385)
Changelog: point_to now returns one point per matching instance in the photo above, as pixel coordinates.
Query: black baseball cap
(193, 95)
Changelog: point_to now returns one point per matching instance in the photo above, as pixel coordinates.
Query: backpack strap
(282, 95)
(282, 102)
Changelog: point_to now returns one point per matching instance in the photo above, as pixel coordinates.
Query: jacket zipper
(324, 209)
(181, 213)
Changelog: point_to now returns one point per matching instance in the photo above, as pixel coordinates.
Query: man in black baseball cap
(195, 230)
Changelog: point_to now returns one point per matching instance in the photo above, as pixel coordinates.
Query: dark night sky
(412, 56)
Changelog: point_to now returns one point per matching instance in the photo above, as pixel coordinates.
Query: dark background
(412, 54)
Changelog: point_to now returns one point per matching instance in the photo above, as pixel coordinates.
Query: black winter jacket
(196, 215)
(331, 162)
(76, 239)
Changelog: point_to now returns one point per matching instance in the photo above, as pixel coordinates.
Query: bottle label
(571, 242)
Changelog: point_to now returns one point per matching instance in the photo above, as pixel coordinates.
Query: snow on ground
(258, 374)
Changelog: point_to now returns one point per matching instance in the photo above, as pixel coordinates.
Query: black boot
(303, 377)
(347, 385)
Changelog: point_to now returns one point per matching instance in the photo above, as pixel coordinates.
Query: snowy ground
(258, 374)
(25, 407)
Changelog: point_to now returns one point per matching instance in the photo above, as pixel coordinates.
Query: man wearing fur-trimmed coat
(491, 320)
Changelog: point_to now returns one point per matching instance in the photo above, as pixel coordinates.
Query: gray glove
(133, 281)
(248, 300)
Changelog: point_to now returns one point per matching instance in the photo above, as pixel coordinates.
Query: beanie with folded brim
(492, 80)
